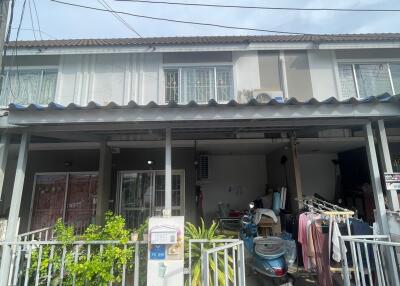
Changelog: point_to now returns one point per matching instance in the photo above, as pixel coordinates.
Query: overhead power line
(261, 7)
(118, 17)
(180, 21)
(36, 30)
(31, 17)
(37, 19)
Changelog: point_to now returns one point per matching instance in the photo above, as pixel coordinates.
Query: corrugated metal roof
(206, 40)
(384, 98)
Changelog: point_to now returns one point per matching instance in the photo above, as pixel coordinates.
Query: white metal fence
(370, 260)
(57, 263)
(35, 260)
(43, 234)
(216, 262)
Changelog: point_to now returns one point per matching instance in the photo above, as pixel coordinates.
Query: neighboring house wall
(235, 180)
(298, 75)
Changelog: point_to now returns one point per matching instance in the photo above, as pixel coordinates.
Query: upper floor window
(26, 86)
(363, 80)
(199, 84)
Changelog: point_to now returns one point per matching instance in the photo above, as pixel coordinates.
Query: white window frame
(354, 62)
(213, 66)
(42, 69)
(180, 172)
(67, 174)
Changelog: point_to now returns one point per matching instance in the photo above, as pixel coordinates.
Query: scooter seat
(269, 247)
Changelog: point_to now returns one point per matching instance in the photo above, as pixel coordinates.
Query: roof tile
(205, 40)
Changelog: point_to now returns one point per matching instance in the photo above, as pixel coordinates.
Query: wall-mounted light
(67, 164)
(150, 162)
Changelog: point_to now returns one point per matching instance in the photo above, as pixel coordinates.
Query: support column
(376, 181)
(383, 145)
(297, 175)
(13, 216)
(4, 144)
(168, 173)
(103, 182)
(389, 255)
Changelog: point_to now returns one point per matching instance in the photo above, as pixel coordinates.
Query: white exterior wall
(109, 77)
(246, 72)
(318, 174)
(235, 180)
(103, 78)
(323, 74)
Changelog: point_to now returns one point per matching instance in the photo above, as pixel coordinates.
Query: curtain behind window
(29, 86)
(395, 71)
(347, 81)
(198, 84)
(373, 79)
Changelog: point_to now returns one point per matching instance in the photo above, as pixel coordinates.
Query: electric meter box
(164, 235)
(166, 251)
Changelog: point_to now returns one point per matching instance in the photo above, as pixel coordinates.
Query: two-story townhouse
(102, 121)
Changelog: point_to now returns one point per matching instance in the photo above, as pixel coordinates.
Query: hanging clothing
(336, 254)
(295, 232)
(306, 240)
(321, 244)
(302, 238)
(310, 242)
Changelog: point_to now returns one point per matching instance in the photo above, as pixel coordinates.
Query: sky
(58, 21)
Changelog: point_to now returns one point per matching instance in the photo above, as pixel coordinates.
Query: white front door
(142, 193)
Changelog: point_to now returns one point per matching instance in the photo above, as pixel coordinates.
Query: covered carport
(270, 129)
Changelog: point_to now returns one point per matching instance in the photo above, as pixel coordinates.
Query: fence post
(241, 264)
(345, 265)
(136, 270)
(205, 268)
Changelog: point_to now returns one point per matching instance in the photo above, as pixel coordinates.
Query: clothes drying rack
(333, 213)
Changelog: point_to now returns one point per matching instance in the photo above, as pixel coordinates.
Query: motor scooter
(267, 254)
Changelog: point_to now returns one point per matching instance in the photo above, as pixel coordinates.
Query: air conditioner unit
(263, 95)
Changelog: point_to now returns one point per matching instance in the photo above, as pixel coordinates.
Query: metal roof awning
(293, 111)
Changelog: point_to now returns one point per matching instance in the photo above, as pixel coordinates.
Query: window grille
(29, 86)
(172, 85)
(199, 84)
(224, 84)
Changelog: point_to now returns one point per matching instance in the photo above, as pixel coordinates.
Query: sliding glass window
(372, 79)
(26, 86)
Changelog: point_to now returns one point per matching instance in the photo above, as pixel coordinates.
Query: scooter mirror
(251, 205)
